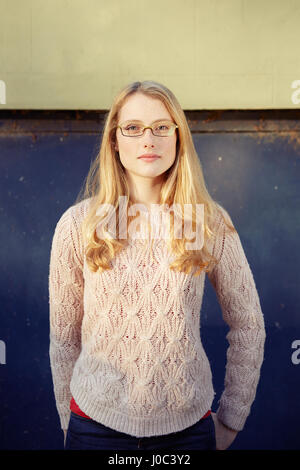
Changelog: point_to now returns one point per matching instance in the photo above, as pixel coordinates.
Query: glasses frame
(149, 127)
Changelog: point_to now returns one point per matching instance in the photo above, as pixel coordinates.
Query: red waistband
(75, 408)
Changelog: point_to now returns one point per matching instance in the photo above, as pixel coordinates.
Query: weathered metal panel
(251, 165)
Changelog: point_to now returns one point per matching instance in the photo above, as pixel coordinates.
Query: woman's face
(146, 109)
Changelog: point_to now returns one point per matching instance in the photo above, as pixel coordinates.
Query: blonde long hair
(183, 184)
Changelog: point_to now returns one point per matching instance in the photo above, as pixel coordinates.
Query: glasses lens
(132, 128)
(163, 128)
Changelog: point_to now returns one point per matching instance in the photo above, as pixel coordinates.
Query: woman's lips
(148, 158)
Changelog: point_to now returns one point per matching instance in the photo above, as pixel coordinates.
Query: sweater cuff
(232, 418)
(64, 420)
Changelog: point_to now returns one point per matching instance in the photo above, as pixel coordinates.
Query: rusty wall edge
(24, 122)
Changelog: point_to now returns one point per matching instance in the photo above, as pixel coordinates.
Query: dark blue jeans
(87, 434)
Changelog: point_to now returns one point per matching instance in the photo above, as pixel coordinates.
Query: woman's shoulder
(70, 220)
(80, 209)
(68, 234)
(76, 212)
(221, 228)
(219, 218)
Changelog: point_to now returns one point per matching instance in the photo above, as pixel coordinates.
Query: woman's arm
(235, 288)
(66, 286)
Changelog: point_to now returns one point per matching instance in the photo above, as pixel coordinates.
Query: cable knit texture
(126, 342)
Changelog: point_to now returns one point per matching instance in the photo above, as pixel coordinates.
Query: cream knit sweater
(125, 343)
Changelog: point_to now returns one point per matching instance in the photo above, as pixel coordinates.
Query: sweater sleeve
(66, 285)
(236, 292)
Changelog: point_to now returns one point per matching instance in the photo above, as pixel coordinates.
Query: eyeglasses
(159, 128)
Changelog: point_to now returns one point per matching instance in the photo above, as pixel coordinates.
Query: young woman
(128, 366)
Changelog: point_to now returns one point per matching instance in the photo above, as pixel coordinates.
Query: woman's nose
(148, 137)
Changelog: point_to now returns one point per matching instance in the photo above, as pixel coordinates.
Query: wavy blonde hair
(183, 184)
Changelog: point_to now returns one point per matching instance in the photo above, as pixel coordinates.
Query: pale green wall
(76, 54)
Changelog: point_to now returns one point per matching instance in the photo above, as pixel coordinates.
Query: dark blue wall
(254, 175)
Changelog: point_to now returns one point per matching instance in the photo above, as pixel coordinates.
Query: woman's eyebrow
(139, 120)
